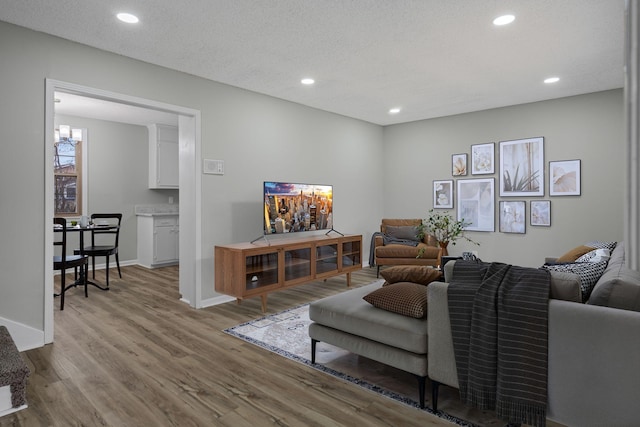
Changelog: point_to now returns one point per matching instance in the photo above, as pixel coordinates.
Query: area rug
(286, 333)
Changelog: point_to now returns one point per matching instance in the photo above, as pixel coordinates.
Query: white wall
(587, 127)
(258, 137)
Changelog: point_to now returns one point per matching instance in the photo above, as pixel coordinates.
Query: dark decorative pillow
(402, 232)
(407, 299)
(410, 273)
(589, 273)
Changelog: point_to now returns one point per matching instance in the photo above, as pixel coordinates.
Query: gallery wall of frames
(519, 166)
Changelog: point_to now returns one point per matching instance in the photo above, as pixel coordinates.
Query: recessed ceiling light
(394, 111)
(552, 80)
(504, 20)
(307, 81)
(128, 18)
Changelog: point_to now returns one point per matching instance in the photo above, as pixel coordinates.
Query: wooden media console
(245, 270)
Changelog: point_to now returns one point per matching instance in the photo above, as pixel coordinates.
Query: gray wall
(376, 172)
(118, 170)
(587, 127)
(259, 137)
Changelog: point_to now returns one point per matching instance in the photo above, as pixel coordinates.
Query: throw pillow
(407, 299)
(575, 253)
(589, 273)
(402, 232)
(595, 255)
(410, 273)
(596, 244)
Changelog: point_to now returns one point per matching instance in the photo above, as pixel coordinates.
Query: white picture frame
(513, 217)
(483, 158)
(476, 203)
(522, 167)
(564, 178)
(540, 211)
(443, 194)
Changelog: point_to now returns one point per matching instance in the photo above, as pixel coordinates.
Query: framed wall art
(564, 178)
(476, 203)
(443, 194)
(512, 217)
(483, 158)
(459, 164)
(540, 213)
(522, 167)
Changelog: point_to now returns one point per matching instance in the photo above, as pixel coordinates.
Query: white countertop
(156, 210)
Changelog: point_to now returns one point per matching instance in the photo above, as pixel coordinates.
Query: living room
(377, 171)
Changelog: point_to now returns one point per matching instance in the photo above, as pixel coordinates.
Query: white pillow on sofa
(595, 255)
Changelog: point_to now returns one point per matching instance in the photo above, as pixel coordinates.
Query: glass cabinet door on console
(297, 264)
(351, 254)
(326, 258)
(261, 270)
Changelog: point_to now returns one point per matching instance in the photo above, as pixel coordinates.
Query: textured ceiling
(429, 57)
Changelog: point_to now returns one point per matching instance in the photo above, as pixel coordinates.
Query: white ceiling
(431, 58)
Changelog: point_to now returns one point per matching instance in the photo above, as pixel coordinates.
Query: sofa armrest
(378, 241)
(594, 367)
(442, 363)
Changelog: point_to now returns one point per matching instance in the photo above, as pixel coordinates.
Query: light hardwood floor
(136, 356)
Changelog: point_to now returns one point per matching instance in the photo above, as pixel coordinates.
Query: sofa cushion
(419, 274)
(589, 273)
(402, 232)
(565, 286)
(619, 287)
(349, 312)
(408, 299)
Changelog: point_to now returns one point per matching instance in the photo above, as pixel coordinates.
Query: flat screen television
(293, 207)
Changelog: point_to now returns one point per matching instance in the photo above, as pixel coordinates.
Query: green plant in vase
(444, 228)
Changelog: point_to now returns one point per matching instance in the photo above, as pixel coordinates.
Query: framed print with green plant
(443, 194)
(512, 217)
(564, 178)
(522, 167)
(476, 204)
(459, 164)
(540, 213)
(482, 159)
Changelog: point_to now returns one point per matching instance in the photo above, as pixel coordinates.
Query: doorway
(189, 152)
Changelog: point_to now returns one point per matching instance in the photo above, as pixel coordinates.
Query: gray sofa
(593, 349)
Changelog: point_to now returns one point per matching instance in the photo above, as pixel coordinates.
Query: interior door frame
(190, 185)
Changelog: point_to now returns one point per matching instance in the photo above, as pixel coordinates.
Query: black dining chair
(63, 261)
(105, 226)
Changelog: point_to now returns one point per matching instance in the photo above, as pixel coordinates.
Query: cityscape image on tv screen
(291, 207)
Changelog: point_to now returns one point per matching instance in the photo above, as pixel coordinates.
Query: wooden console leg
(348, 279)
(263, 297)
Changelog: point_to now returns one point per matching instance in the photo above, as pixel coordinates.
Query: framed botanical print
(483, 159)
(476, 203)
(522, 167)
(564, 178)
(540, 213)
(443, 194)
(512, 217)
(459, 164)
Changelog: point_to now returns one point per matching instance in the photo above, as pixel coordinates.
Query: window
(67, 171)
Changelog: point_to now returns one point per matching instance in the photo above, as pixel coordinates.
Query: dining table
(81, 230)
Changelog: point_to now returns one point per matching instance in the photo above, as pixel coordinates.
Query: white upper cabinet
(163, 156)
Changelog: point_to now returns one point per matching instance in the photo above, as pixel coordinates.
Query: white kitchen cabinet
(163, 156)
(158, 237)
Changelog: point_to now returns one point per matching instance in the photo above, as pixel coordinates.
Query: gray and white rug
(286, 333)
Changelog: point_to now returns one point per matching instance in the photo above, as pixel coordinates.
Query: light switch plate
(213, 167)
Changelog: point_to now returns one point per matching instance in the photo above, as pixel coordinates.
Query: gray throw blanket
(499, 327)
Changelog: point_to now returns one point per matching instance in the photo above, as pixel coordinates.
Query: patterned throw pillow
(419, 274)
(408, 299)
(595, 255)
(596, 244)
(589, 273)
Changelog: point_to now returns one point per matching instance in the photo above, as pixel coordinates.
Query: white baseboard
(5, 402)
(216, 300)
(25, 337)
